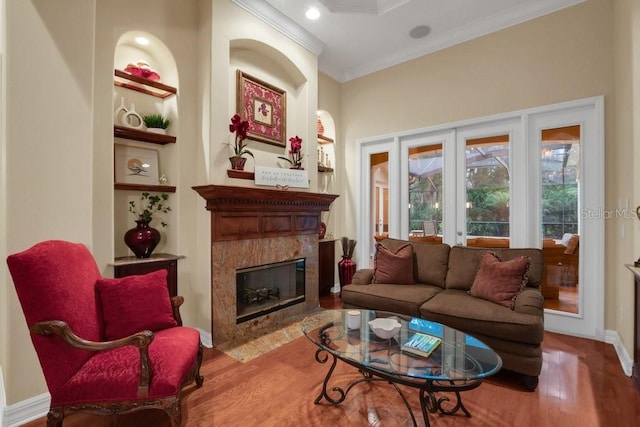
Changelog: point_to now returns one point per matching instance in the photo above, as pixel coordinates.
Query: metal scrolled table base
(429, 402)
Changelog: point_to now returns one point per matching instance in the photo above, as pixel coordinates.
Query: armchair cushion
(134, 303)
(112, 375)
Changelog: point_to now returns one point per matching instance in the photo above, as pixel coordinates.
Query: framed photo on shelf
(134, 165)
(264, 106)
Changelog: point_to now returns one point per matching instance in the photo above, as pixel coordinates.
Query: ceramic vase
(237, 162)
(142, 239)
(346, 270)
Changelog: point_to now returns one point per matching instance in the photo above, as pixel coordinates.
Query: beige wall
(623, 234)
(59, 168)
(571, 54)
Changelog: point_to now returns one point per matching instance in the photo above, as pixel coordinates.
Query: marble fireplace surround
(257, 226)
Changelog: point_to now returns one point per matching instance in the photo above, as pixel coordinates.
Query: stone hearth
(254, 226)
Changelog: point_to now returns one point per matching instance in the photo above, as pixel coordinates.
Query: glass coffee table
(457, 362)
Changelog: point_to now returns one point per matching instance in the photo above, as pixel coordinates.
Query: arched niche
(276, 62)
(158, 56)
(269, 64)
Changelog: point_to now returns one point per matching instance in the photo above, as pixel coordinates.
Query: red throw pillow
(135, 303)
(501, 281)
(394, 267)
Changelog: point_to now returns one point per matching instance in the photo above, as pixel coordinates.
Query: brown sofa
(443, 276)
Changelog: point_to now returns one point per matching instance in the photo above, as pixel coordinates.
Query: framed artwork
(134, 165)
(264, 106)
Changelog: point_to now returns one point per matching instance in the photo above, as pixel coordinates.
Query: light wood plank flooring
(582, 385)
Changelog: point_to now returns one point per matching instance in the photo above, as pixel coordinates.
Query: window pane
(487, 178)
(425, 191)
(560, 160)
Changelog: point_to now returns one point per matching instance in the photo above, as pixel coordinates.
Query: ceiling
(353, 38)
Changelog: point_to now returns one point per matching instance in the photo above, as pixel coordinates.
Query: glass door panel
(425, 192)
(380, 193)
(487, 177)
(560, 176)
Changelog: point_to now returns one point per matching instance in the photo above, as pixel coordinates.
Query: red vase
(142, 240)
(346, 270)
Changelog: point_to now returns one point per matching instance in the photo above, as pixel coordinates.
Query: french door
(514, 180)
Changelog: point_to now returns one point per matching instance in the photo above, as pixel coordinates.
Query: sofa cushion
(394, 266)
(401, 299)
(430, 260)
(134, 303)
(464, 262)
(500, 281)
(459, 310)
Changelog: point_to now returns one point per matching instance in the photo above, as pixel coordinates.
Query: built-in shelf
(324, 169)
(324, 139)
(142, 187)
(139, 84)
(140, 135)
(232, 173)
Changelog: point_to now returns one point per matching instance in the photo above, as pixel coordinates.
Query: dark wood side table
(635, 374)
(129, 266)
(326, 266)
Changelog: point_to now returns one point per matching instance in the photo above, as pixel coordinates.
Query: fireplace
(264, 289)
(253, 227)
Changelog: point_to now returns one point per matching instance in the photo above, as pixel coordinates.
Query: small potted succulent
(156, 123)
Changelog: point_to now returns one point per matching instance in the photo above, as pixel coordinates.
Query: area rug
(263, 341)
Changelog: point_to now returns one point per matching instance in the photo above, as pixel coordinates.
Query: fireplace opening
(267, 288)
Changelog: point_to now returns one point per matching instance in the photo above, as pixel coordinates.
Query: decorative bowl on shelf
(385, 327)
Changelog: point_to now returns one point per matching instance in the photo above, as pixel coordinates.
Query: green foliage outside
(488, 214)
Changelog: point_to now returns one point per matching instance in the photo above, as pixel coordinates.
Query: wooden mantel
(239, 213)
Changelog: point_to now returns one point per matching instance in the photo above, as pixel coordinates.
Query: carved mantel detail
(239, 213)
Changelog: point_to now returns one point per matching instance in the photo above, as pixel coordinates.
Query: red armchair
(106, 346)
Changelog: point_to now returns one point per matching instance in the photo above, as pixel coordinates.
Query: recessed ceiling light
(142, 40)
(312, 13)
(419, 32)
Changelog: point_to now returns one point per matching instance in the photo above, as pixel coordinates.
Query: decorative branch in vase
(295, 151)
(240, 128)
(346, 267)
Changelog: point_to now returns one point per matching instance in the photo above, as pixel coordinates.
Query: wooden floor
(582, 385)
(567, 300)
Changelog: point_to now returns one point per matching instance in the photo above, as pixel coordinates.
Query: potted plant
(240, 128)
(295, 151)
(156, 123)
(143, 239)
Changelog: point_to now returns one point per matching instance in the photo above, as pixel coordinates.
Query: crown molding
(277, 20)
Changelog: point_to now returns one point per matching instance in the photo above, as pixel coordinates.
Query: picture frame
(135, 165)
(264, 106)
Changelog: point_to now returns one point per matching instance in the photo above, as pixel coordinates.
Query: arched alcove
(145, 99)
(270, 65)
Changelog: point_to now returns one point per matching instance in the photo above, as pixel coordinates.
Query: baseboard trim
(3, 400)
(206, 338)
(26, 410)
(612, 337)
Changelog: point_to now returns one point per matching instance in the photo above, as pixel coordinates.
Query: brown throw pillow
(394, 267)
(500, 281)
